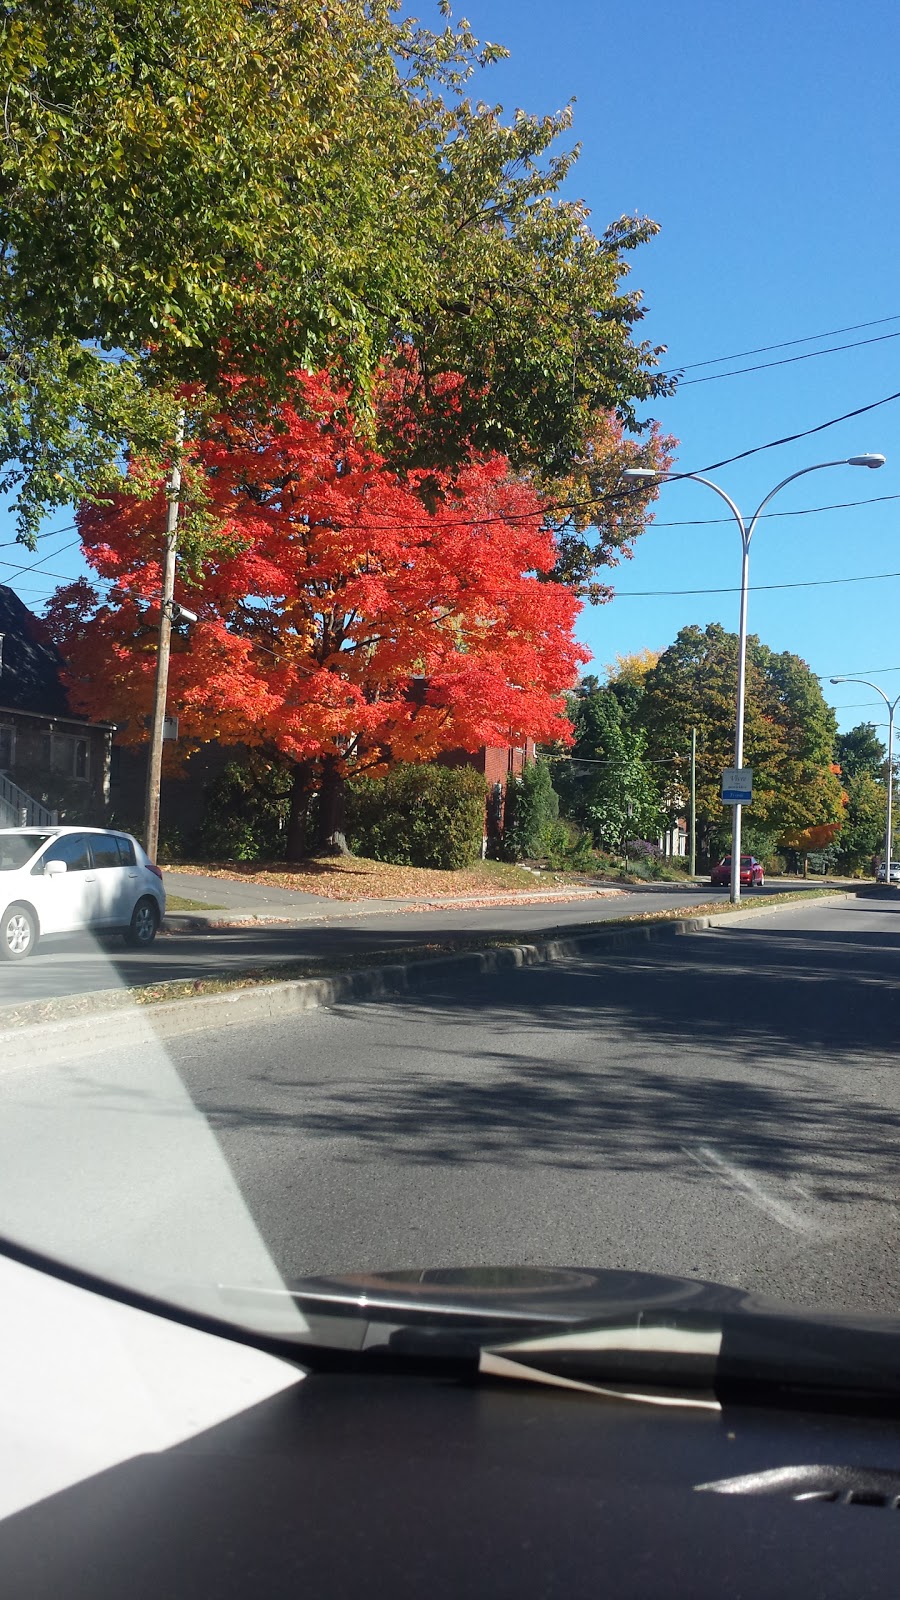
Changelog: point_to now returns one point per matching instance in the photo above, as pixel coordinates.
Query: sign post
(737, 791)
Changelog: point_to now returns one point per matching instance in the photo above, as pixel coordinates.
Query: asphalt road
(724, 1105)
(77, 966)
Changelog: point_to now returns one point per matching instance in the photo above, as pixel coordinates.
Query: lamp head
(871, 459)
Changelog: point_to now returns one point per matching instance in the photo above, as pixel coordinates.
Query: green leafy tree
(261, 188)
(607, 786)
(788, 735)
(800, 785)
(862, 834)
(860, 750)
(532, 807)
(247, 810)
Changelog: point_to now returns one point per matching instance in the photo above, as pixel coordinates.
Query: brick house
(52, 764)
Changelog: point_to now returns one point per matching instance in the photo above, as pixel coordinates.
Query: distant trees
(608, 786)
(863, 762)
(788, 737)
(860, 751)
(629, 773)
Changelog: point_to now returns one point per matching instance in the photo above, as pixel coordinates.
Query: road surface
(724, 1105)
(77, 966)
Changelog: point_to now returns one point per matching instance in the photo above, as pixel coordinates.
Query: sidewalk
(232, 903)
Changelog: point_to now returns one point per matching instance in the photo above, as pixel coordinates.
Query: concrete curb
(110, 1015)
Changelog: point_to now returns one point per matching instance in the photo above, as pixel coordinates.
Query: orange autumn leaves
(339, 615)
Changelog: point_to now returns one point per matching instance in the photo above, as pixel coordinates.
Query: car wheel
(18, 933)
(144, 924)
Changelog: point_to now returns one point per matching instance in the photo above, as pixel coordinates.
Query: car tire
(144, 924)
(18, 933)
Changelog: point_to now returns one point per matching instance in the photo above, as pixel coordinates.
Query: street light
(888, 826)
(648, 475)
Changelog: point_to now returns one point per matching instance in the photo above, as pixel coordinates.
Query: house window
(7, 746)
(66, 755)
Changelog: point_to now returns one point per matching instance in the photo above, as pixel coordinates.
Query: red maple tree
(344, 622)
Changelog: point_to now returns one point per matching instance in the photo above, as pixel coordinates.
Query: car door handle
(89, 877)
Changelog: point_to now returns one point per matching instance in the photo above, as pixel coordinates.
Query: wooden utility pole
(154, 759)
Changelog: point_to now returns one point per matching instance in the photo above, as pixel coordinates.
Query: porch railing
(19, 810)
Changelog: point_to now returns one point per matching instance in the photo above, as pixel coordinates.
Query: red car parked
(751, 872)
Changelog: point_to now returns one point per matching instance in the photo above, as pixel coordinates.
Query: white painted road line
(744, 1183)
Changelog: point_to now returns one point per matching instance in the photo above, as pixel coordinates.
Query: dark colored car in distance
(752, 876)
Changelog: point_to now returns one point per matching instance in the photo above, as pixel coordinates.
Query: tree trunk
(332, 809)
(296, 831)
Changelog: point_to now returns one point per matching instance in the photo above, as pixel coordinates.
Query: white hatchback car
(70, 880)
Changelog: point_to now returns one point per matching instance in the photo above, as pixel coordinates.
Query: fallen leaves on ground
(354, 878)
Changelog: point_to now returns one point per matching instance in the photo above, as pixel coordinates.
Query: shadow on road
(771, 1047)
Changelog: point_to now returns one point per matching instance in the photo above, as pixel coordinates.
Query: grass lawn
(354, 878)
(177, 902)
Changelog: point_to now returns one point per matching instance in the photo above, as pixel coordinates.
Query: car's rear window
(105, 851)
(18, 848)
(126, 851)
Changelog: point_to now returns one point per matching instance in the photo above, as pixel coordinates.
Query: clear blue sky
(763, 140)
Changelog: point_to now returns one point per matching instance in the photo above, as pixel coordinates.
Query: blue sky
(763, 140)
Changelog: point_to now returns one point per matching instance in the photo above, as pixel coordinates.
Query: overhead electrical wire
(803, 511)
(806, 583)
(50, 533)
(787, 361)
(619, 495)
(858, 674)
(786, 344)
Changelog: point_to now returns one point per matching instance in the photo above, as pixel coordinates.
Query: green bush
(246, 812)
(567, 849)
(418, 816)
(532, 807)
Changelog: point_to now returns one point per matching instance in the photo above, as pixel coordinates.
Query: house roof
(30, 666)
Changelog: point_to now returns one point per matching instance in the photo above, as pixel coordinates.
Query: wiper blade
(664, 1364)
(652, 1338)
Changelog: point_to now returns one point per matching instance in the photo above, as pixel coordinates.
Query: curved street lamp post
(888, 825)
(646, 475)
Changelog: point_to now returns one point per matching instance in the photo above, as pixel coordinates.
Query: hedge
(418, 816)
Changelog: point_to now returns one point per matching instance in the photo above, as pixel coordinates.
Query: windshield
(17, 849)
(462, 686)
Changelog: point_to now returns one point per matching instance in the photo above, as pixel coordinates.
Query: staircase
(18, 810)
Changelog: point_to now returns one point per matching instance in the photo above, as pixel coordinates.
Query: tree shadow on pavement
(773, 1049)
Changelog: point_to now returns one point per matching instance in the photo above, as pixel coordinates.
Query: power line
(50, 533)
(805, 433)
(804, 511)
(618, 495)
(858, 705)
(786, 344)
(858, 674)
(33, 567)
(625, 761)
(787, 361)
(808, 583)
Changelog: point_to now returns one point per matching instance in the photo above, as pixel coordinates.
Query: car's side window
(72, 848)
(126, 852)
(105, 850)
